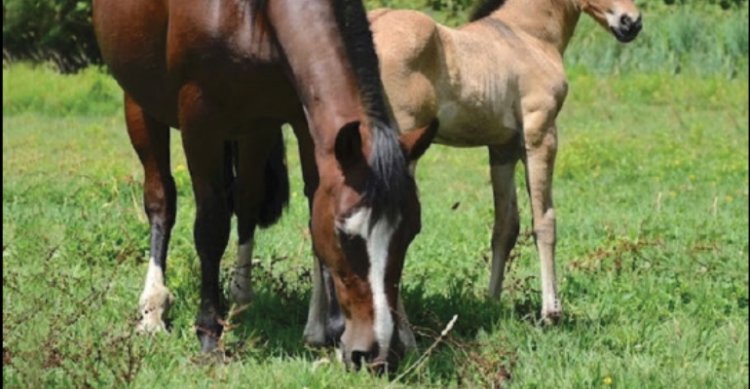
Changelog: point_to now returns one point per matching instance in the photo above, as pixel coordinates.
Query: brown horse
(498, 82)
(227, 74)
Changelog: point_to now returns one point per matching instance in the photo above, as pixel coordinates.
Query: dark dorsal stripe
(485, 8)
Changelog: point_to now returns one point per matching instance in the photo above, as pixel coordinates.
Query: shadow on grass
(272, 326)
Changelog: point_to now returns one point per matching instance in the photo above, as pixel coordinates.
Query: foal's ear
(348, 147)
(416, 142)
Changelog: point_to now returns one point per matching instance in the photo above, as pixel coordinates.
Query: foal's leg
(505, 232)
(325, 321)
(150, 140)
(541, 147)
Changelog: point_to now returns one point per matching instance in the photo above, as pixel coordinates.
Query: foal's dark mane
(485, 8)
(388, 175)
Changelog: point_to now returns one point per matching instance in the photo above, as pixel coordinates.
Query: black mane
(485, 8)
(388, 179)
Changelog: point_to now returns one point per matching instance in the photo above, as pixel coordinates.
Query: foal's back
(472, 78)
(217, 45)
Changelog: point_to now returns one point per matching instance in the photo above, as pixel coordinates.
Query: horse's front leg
(150, 139)
(541, 147)
(325, 321)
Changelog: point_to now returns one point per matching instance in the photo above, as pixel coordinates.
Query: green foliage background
(60, 30)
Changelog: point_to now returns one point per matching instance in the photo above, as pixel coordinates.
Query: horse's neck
(550, 21)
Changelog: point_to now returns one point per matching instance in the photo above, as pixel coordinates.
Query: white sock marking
(241, 286)
(244, 259)
(154, 279)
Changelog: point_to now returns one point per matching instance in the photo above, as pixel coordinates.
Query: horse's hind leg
(505, 231)
(150, 140)
(250, 199)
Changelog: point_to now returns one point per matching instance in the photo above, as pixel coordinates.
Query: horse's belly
(471, 128)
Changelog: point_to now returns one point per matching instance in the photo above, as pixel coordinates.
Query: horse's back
(405, 34)
(132, 40)
(408, 47)
(154, 48)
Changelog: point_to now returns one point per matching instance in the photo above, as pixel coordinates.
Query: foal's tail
(276, 195)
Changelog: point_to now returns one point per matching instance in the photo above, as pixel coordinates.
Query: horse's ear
(416, 142)
(348, 147)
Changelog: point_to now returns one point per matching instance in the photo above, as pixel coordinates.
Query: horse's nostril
(358, 358)
(625, 20)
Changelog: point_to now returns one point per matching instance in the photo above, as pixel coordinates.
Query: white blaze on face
(378, 241)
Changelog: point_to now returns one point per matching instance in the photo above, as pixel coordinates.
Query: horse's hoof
(406, 336)
(209, 343)
(153, 309)
(209, 340)
(241, 292)
(316, 338)
(216, 356)
(553, 314)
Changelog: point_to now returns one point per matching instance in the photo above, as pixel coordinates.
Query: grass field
(651, 193)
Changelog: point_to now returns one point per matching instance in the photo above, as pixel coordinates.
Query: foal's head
(362, 235)
(621, 17)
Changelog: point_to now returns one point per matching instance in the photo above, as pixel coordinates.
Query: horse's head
(364, 244)
(621, 17)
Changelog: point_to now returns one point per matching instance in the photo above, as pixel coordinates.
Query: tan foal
(499, 82)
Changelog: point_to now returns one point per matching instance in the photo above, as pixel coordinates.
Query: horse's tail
(276, 195)
(388, 174)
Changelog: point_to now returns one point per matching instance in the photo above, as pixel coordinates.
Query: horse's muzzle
(628, 28)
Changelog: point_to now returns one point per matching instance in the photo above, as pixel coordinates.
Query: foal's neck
(550, 21)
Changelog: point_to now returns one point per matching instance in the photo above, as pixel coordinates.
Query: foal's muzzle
(627, 28)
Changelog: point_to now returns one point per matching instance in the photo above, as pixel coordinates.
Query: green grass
(651, 194)
(42, 90)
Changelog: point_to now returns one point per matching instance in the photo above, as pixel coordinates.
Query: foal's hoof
(241, 292)
(154, 308)
(552, 314)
